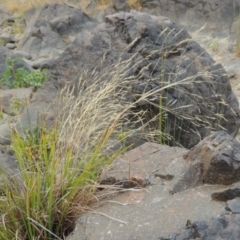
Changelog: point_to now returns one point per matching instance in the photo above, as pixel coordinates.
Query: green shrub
(20, 77)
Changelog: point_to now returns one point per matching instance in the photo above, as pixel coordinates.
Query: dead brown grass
(21, 6)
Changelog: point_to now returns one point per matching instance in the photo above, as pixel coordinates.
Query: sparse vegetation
(21, 6)
(133, 3)
(2, 42)
(18, 104)
(19, 77)
(214, 45)
(18, 27)
(59, 166)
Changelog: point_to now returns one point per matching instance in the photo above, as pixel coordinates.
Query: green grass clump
(20, 77)
(51, 190)
(59, 167)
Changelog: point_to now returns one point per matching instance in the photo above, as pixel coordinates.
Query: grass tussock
(59, 167)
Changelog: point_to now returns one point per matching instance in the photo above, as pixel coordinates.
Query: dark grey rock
(141, 165)
(226, 195)
(233, 205)
(156, 55)
(48, 25)
(223, 227)
(214, 160)
(216, 16)
(219, 154)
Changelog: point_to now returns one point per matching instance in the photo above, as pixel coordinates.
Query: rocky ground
(169, 192)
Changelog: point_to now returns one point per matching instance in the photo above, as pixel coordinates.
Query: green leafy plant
(20, 77)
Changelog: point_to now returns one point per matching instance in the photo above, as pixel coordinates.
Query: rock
(44, 43)
(215, 16)
(103, 13)
(42, 63)
(121, 5)
(234, 205)
(153, 53)
(137, 165)
(145, 211)
(144, 208)
(22, 54)
(232, 67)
(8, 163)
(9, 169)
(5, 134)
(48, 25)
(13, 101)
(6, 38)
(5, 118)
(226, 195)
(4, 15)
(214, 160)
(220, 156)
(10, 45)
(33, 115)
(223, 227)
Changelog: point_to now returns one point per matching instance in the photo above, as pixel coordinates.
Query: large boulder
(158, 58)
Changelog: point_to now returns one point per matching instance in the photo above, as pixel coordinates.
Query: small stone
(233, 205)
(6, 38)
(10, 45)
